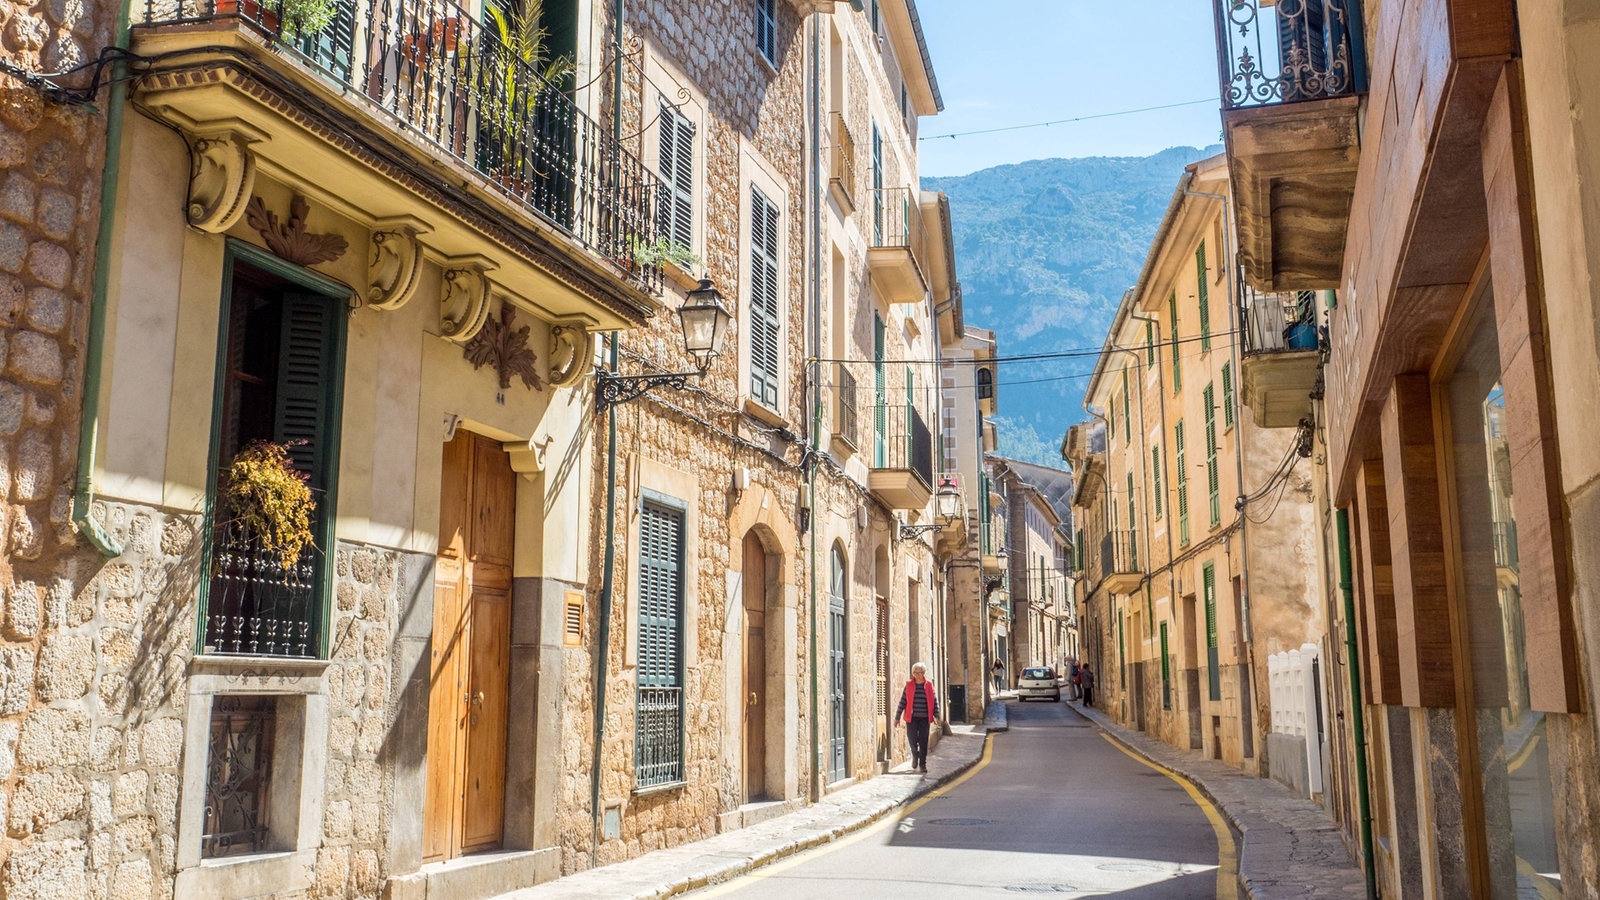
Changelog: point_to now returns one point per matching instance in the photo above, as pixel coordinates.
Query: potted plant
(670, 256)
(269, 502)
(250, 10)
(304, 18)
(523, 71)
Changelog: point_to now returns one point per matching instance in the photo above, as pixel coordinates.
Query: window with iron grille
(1182, 485)
(658, 738)
(1227, 395)
(764, 317)
(1205, 298)
(767, 29)
(676, 165)
(239, 775)
(1212, 485)
(280, 377)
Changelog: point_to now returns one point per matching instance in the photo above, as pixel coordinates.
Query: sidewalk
(665, 873)
(1288, 846)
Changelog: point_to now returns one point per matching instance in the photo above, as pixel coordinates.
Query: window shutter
(307, 342)
(1227, 394)
(1155, 476)
(677, 172)
(660, 596)
(1127, 417)
(333, 47)
(1183, 484)
(1150, 342)
(1209, 582)
(1177, 370)
(1211, 454)
(764, 320)
(767, 29)
(1205, 301)
(880, 396)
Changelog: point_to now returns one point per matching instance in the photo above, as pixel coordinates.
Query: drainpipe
(89, 423)
(816, 378)
(607, 580)
(1357, 709)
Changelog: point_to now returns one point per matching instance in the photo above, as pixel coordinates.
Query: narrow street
(1054, 807)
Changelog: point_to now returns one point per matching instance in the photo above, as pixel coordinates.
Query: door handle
(473, 698)
(752, 698)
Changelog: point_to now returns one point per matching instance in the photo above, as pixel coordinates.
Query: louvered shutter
(333, 48)
(1227, 395)
(1209, 587)
(1177, 370)
(1183, 483)
(1211, 454)
(764, 321)
(1205, 300)
(306, 348)
(677, 174)
(1155, 477)
(767, 29)
(660, 596)
(1150, 342)
(880, 397)
(1127, 416)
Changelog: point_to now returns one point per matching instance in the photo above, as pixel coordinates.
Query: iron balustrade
(444, 77)
(1119, 553)
(658, 737)
(842, 172)
(908, 444)
(1505, 545)
(1288, 51)
(256, 606)
(847, 423)
(897, 221)
(238, 775)
(1277, 323)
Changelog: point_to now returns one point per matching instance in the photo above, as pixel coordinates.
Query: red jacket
(905, 707)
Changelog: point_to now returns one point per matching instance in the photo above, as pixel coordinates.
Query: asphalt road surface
(1055, 809)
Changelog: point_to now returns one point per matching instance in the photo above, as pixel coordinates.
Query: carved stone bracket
(222, 173)
(569, 354)
(527, 458)
(464, 298)
(396, 262)
(288, 238)
(501, 345)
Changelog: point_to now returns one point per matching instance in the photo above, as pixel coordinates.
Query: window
(839, 666)
(1183, 485)
(880, 397)
(1133, 529)
(658, 736)
(280, 380)
(1205, 299)
(1177, 371)
(1208, 580)
(765, 322)
(1212, 485)
(1166, 671)
(877, 186)
(1077, 550)
(677, 177)
(767, 29)
(239, 775)
(872, 14)
(1127, 417)
(1150, 342)
(1155, 476)
(1227, 395)
(985, 384)
(905, 103)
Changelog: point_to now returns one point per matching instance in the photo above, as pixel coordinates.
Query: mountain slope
(1045, 250)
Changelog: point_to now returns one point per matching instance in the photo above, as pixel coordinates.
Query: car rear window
(1038, 673)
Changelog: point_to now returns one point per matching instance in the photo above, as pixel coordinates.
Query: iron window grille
(658, 738)
(239, 775)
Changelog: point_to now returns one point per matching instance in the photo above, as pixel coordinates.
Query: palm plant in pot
(521, 75)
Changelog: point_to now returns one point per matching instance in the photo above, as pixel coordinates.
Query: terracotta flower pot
(249, 10)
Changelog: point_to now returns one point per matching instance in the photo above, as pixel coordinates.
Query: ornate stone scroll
(464, 297)
(569, 354)
(395, 266)
(222, 173)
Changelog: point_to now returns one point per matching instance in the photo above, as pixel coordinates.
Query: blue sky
(1002, 63)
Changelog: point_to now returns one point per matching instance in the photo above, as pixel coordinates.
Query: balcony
(1505, 554)
(1280, 356)
(896, 243)
(1291, 73)
(1119, 562)
(846, 428)
(414, 111)
(950, 510)
(842, 165)
(902, 458)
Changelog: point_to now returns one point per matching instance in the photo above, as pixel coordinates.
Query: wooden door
(755, 668)
(880, 678)
(464, 805)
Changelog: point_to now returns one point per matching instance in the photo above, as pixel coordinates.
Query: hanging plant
(270, 500)
(305, 18)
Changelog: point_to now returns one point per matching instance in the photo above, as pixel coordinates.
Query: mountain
(1045, 250)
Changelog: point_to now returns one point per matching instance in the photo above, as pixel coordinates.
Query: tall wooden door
(755, 668)
(464, 808)
(880, 677)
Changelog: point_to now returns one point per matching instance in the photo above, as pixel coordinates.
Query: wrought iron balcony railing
(1119, 553)
(845, 415)
(446, 78)
(1505, 545)
(842, 161)
(1277, 323)
(255, 605)
(1287, 51)
(897, 220)
(904, 441)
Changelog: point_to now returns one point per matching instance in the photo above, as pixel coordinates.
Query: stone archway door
(755, 668)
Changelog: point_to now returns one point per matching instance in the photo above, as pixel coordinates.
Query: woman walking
(919, 708)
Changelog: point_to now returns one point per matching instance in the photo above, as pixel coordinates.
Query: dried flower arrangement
(270, 500)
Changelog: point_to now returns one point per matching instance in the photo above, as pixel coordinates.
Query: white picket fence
(1294, 695)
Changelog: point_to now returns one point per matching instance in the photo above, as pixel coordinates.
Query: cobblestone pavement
(666, 873)
(1288, 846)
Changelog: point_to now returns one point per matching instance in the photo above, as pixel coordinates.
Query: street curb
(801, 845)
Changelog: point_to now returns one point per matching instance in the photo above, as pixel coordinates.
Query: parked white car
(1038, 681)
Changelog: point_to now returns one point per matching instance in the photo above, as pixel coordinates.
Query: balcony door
(464, 808)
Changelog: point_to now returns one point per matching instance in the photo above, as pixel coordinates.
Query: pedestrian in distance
(918, 709)
(1086, 682)
(1076, 682)
(999, 672)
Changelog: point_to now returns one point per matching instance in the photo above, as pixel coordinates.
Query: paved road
(1057, 809)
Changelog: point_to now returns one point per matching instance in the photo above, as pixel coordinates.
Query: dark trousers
(917, 733)
(1088, 695)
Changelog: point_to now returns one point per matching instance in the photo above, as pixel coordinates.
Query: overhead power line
(1104, 115)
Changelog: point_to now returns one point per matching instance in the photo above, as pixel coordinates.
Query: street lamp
(705, 320)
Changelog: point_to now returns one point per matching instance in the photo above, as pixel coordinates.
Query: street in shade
(1055, 808)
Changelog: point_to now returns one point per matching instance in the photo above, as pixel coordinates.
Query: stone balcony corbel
(395, 267)
(222, 172)
(569, 350)
(464, 297)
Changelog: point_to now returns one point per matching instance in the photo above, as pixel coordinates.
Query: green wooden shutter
(1213, 663)
(1133, 527)
(677, 175)
(1205, 299)
(1183, 484)
(1150, 342)
(877, 183)
(1155, 477)
(1227, 395)
(307, 377)
(880, 397)
(1127, 417)
(1077, 551)
(658, 732)
(765, 321)
(1177, 370)
(333, 48)
(1212, 485)
(1166, 671)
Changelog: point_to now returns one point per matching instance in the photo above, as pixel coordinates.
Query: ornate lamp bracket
(464, 297)
(613, 390)
(396, 261)
(222, 173)
(912, 532)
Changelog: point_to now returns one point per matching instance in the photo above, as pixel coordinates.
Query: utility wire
(1106, 115)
